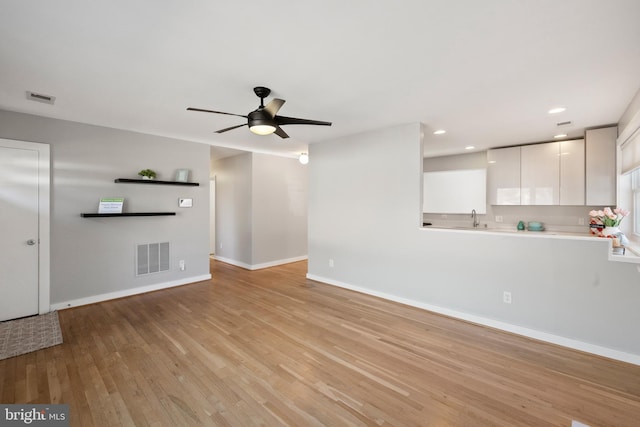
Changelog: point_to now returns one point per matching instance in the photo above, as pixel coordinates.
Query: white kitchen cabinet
(572, 175)
(540, 174)
(503, 176)
(600, 163)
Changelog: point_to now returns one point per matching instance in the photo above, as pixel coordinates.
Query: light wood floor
(271, 348)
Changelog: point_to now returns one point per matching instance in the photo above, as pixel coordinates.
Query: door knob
(31, 242)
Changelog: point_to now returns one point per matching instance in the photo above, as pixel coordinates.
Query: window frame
(635, 193)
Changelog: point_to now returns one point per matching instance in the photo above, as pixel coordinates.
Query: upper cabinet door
(503, 176)
(572, 173)
(601, 166)
(540, 174)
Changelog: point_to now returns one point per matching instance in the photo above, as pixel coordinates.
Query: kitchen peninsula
(628, 256)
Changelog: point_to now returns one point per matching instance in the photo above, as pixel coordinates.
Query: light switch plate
(185, 203)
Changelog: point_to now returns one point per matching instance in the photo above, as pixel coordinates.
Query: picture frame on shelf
(111, 205)
(182, 175)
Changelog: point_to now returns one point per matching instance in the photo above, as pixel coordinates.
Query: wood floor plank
(271, 347)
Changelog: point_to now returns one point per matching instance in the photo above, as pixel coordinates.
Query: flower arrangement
(609, 217)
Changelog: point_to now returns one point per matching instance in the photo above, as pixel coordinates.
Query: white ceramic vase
(611, 231)
(615, 233)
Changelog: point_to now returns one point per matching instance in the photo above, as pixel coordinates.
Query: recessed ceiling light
(440, 132)
(469, 147)
(560, 135)
(557, 110)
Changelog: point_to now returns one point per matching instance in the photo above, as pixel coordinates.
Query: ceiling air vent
(563, 123)
(47, 99)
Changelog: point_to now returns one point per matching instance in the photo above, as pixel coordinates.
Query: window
(635, 189)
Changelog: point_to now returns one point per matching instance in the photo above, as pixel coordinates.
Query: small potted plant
(147, 174)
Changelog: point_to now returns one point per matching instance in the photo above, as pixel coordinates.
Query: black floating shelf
(103, 215)
(154, 181)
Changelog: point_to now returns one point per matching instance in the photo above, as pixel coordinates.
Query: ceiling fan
(263, 120)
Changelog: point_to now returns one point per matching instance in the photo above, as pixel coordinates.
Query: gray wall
(261, 209)
(233, 208)
(364, 209)
(92, 257)
(279, 208)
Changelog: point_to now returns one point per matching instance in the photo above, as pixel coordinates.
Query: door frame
(44, 217)
(212, 215)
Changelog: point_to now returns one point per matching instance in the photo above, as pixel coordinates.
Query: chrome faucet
(474, 215)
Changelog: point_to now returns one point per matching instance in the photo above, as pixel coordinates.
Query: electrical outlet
(506, 297)
(580, 221)
(181, 264)
(498, 218)
(331, 262)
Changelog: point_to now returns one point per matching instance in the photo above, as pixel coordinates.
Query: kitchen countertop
(480, 229)
(629, 256)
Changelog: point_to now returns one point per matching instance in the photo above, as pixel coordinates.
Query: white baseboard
(262, 265)
(519, 330)
(232, 262)
(127, 292)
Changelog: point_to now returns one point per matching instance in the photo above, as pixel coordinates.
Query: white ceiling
(486, 71)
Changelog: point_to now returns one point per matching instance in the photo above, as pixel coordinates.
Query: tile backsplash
(555, 218)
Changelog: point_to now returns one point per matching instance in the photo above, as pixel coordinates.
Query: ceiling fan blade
(282, 120)
(231, 128)
(217, 112)
(280, 132)
(274, 106)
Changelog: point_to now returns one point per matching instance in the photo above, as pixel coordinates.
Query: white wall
(628, 125)
(630, 119)
(261, 210)
(364, 213)
(93, 259)
(477, 160)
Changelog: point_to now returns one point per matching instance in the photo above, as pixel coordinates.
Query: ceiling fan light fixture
(261, 123)
(259, 129)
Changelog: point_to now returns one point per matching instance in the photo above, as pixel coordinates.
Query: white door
(19, 246)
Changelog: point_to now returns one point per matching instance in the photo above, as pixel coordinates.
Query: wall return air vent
(152, 258)
(40, 97)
